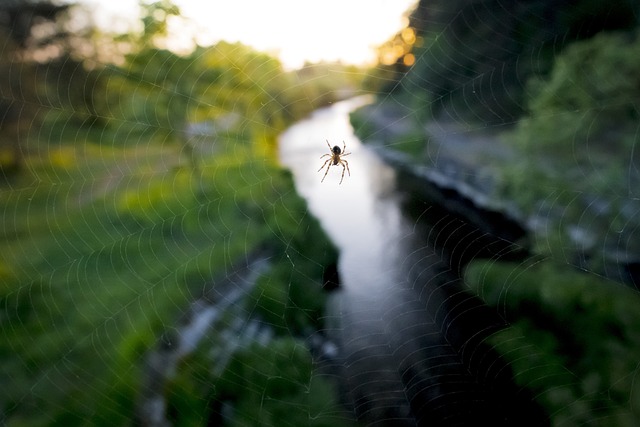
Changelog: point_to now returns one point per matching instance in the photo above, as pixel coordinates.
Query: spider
(335, 158)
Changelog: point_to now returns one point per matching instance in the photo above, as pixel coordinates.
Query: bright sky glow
(294, 30)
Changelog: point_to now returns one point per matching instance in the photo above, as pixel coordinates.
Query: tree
(578, 148)
(477, 55)
(19, 87)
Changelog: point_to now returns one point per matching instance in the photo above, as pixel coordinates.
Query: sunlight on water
(361, 215)
(401, 320)
(377, 317)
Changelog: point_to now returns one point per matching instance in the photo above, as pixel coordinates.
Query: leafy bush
(577, 147)
(474, 56)
(574, 339)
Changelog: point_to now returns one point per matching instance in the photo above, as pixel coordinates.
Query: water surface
(404, 329)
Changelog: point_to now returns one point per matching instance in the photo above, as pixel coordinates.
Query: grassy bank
(103, 250)
(140, 185)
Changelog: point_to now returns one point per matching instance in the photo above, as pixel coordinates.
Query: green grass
(103, 247)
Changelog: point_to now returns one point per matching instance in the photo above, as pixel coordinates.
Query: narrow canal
(412, 343)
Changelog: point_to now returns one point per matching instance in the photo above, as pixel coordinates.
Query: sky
(294, 30)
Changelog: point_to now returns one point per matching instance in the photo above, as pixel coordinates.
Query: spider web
(197, 282)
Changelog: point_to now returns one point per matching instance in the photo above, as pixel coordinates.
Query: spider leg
(345, 165)
(329, 145)
(345, 154)
(327, 161)
(325, 155)
(344, 146)
(325, 174)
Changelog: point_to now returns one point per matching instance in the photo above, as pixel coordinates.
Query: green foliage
(275, 386)
(89, 292)
(122, 211)
(578, 143)
(574, 339)
(154, 19)
(159, 201)
(291, 298)
(475, 56)
(112, 233)
(157, 94)
(84, 302)
(602, 71)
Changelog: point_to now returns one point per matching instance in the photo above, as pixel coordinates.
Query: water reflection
(361, 215)
(397, 317)
(363, 219)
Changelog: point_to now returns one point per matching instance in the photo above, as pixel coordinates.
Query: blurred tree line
(19, 68)
(127, 86)
(474, 57)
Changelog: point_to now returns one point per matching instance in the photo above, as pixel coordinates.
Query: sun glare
(296, 32)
